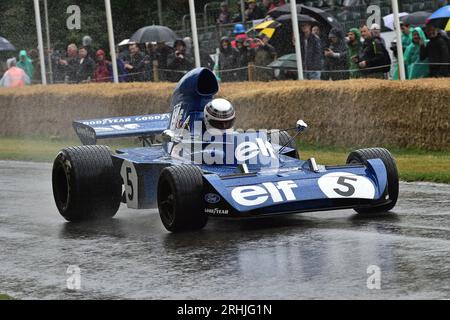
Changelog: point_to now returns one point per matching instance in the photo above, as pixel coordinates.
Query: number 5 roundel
(346, 185)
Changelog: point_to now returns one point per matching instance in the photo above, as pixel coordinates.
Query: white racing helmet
(219, 114)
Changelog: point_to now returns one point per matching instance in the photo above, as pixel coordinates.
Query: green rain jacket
(354, 49)
(26, 65)
(413, 63)
(406, 41)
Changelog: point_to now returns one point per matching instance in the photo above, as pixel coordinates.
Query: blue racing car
(194, 165)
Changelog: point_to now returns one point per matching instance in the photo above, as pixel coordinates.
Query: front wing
(270, 193)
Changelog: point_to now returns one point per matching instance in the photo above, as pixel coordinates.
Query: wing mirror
(301, 126)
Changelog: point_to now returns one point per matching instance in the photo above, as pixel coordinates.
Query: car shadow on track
(149, 225)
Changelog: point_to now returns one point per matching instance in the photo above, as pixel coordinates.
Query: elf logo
(250, 149)
(256, 195)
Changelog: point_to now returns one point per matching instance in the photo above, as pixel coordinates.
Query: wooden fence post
(251, 71)
(155, 71)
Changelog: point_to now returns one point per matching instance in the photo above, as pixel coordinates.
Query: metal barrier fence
(250, 73)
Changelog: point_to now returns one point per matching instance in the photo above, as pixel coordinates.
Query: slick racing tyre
(180, 198)
(391, 193)
(284, 138)
(85, 184)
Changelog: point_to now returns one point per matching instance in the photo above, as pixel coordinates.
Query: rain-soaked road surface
(304, 256)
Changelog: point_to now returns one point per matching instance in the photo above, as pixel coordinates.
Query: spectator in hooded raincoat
(416, 68)
(228, 58)
(406, 41)
(25, 63)
(354, 50)
(336, 56)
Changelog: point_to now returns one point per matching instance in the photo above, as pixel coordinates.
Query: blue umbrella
(441, 18)
(5, 45)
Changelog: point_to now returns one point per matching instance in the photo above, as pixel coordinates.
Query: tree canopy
(17, 20)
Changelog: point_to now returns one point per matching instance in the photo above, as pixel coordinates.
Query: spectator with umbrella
(5, 45)
(311, 51)
(162, 36)
(264, 55)
(437, 51)
(416, 19)
(136, 64)
(441, 18)
(336, 56)
(179, 61)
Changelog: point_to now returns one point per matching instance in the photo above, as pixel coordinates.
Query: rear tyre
(391, 193)
(85, 184)
(180, 198)
(284, 138)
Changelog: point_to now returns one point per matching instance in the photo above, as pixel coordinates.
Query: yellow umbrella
(265, 24)
(267, 27)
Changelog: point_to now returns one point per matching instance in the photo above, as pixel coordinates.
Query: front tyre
(180, 198)
(85, 184)
(391, 193)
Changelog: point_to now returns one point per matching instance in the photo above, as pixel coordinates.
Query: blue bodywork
(276, 181)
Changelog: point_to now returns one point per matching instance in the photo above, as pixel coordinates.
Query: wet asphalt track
(303, 256)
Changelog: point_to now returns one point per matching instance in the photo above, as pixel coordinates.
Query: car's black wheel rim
(62, 187)
(167, 203)
(168, 208)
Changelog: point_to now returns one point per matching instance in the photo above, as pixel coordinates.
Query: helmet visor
(222, 125)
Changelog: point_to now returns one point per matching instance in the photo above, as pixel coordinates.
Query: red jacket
(102, 73)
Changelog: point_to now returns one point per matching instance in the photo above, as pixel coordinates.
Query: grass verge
(413, 165)
(5, 297)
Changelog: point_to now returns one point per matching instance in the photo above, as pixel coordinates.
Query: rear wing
(131, 126)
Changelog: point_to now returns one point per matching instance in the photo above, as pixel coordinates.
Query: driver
(219, 114)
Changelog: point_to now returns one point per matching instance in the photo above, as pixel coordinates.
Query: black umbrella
(5, 45)
(300, 17)
(154, 34)
(323, 18)
(281, 10)
(416, 19)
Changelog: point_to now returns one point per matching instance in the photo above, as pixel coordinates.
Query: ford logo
(212, 198)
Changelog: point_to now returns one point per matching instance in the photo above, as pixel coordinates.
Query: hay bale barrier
(411, 114)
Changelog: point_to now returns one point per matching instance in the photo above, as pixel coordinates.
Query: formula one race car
(191, 171)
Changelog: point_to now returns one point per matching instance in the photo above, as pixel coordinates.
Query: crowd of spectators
(333, 55)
